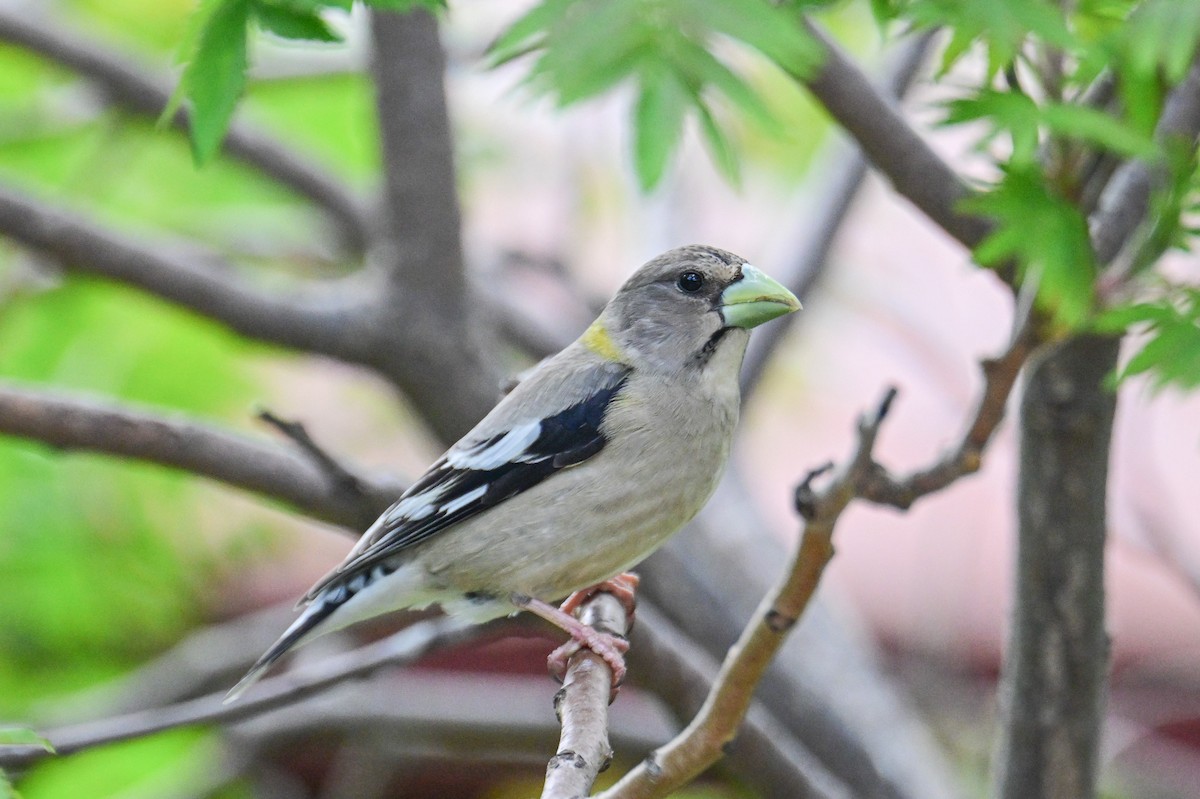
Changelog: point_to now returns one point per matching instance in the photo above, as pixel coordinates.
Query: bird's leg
(611, 648)
(623, 587)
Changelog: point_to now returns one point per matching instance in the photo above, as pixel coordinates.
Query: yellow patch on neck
(597, 339)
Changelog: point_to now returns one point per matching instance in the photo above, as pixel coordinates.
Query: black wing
(468, 480)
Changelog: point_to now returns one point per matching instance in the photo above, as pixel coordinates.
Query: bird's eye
(690, 281)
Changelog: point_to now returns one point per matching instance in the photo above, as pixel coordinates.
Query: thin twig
(263, 467)
(582, 708)
(140, 90)
(399, 649)
(768, 756)
(296, 431)
(999, 375)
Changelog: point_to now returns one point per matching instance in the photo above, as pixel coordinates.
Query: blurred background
(107, 565)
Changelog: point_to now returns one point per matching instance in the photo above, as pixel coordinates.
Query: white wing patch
(419, 506)
(508, 448)
(466, 499)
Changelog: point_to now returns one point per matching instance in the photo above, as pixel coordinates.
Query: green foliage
(215, 74)
(1170, 353)
(168, 764)
(23, 736)
(215, 54)
(666, 48)
(85, 543)
(1047, 236)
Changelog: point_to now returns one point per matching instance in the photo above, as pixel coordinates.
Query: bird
(593, 459)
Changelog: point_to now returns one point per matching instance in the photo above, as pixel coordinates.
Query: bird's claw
(609, 647)
(623, 587)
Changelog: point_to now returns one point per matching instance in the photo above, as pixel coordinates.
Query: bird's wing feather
(491, 464)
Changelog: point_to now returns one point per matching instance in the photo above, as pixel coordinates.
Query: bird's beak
(755, 299)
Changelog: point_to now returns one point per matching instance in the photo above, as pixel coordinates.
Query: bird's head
(680, 307)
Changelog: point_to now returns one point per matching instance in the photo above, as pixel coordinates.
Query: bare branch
(399, 649)
(830, 210)
(327, 319)
(140, 90)
(893, 147)
(999, 375)
(582, 708)
(427, 321)
(701, 743)
(335, 470)
(424, 224)
(175, 441)
(1123, 206)
(767, 756)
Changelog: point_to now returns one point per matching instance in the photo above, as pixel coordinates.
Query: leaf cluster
(215, 54)
(671, 50)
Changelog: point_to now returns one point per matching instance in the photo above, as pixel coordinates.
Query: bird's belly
(575, 530)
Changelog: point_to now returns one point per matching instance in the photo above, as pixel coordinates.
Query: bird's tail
(313, 615)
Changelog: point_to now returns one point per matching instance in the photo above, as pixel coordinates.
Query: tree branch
(258, 466)
(582, 708)
(1056, 661)
(134, 88)
(768, 757)
(425, 316)
(424, 223)
(999, 376)
(399, 649)
(326, 319)
(1125, 202)
(830, 211)
(893, 147)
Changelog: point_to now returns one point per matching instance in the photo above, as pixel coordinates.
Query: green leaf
(707, 70)
(6, 789)
(1099, 128)
(215, 77)
(527, 32)
(1170, 354)
(777, 33)
(1013, 112)
(290, 23)
(1047, 236)
(408, 5)
(23, 736)
(657, 123)
(719, 147)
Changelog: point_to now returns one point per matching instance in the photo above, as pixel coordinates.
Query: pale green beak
(755, 299)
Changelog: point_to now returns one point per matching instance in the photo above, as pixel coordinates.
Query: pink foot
(609, 647)
(623, 587)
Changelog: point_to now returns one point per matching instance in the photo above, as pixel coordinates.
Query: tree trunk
(1052, 688)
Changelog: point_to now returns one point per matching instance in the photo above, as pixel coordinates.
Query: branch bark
(426, 315)
(139, 90)
(1052, 690)
(265, 468)
(829, 213)
(767, 756)
(328, 319)
(891, 144)
(582, 708)
(1054, 675)
(399, 649)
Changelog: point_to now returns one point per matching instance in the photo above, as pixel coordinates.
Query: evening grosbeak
(586, 467)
